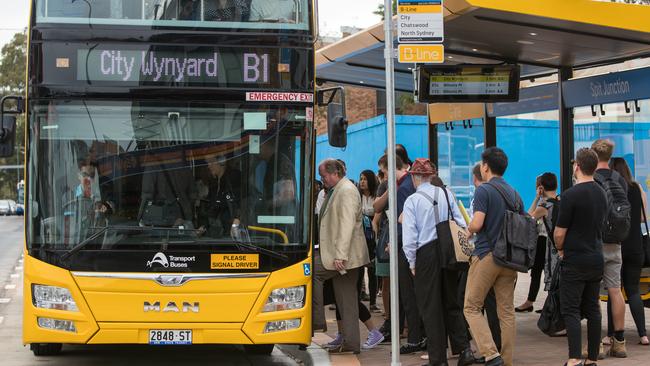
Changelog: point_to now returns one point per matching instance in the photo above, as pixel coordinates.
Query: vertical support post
(566, 132)
(490, 130)
(392, 181)
(433, 142)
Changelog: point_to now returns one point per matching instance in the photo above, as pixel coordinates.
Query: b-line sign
(420, 24)
(420, 21)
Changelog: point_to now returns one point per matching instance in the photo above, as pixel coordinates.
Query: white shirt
(272, 10)
(366, 205)
(319, 201)
(419, 223)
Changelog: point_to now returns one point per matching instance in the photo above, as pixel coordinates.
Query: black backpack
(517, 243)
(617, 223)
(553, 206)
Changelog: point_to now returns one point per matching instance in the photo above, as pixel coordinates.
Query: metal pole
(392, 181)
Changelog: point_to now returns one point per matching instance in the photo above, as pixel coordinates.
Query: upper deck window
(231, 14)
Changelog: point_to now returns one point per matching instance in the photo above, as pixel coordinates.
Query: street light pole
(392, 181)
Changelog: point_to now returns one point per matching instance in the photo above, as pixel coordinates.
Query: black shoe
(466, 358)
(409, 348)
(480, 360)
(364, 297)
(524, 310)
(498, 361)
(437, 364)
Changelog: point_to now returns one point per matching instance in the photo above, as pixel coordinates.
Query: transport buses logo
(159, 258)
(170, 261)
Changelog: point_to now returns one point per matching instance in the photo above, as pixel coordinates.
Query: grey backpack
(517, 243)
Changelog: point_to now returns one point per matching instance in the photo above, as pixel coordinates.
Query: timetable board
(469, 83)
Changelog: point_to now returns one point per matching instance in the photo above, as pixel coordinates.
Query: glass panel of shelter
(459, 149)
(627, 125)
(531, 141)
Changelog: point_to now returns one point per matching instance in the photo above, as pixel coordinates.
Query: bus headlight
(288, 298)
(52, 297)
(281, 325)
(56, 324)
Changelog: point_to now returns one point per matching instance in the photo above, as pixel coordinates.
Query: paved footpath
(533, 348)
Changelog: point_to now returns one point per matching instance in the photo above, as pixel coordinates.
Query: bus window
(238, 14)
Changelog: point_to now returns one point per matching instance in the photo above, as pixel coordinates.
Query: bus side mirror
(8, 128)
(337, 122)
(337, 125)
(7, 136)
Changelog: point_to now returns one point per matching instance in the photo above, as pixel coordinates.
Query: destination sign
(469, 83)
(176, 66)
(420, 21)
(157, 66)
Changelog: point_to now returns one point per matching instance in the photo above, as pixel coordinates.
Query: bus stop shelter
(544, 37)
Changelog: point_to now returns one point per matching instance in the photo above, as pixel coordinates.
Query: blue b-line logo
(307, 269)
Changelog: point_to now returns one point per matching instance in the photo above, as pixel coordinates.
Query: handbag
(550, 320)
(453, 241)
(459, 249)
(382, 255)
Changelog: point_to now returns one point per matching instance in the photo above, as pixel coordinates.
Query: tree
(380, 9)
(12, 82)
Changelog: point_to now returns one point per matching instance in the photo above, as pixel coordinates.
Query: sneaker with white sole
(374, 338)
(337, 342)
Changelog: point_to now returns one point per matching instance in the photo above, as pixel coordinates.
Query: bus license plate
(170, 337)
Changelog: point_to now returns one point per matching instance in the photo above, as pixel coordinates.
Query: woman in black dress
(632, 250)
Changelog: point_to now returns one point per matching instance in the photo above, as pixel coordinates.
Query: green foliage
(13, 58)
(380, 10)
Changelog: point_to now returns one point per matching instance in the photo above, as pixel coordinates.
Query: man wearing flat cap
(436, 288)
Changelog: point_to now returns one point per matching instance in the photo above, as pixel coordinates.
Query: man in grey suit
(343, 251)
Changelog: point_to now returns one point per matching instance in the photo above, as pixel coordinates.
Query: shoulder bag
(453, 241)
(517, 242)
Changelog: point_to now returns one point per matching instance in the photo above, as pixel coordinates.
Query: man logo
(159, 258)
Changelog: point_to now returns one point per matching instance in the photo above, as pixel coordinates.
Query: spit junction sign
(420, 25)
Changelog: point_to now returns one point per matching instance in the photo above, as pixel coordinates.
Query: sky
(333, 15)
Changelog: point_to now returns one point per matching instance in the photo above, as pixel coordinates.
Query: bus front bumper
(113, 311)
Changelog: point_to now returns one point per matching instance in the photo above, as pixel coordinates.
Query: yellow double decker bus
(169, 165)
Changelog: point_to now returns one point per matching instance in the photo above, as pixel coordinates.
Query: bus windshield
(127, 174)
(230, 14)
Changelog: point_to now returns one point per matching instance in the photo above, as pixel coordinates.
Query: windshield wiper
(83, 243)
(102, 230)
(255, 248)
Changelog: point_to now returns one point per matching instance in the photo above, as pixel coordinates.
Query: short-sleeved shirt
(583, 211)
(489, 201)
(406, 188)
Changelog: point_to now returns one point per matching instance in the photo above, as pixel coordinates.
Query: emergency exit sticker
(234, 261)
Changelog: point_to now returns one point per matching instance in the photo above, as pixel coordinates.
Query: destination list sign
(420, 21)
(495, 83)
(164, 66)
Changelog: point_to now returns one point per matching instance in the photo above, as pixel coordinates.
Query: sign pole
(392, 181)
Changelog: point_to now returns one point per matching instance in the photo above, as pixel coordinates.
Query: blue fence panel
(367, 141)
